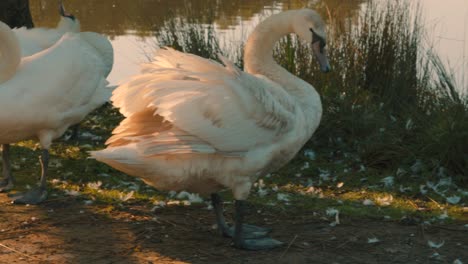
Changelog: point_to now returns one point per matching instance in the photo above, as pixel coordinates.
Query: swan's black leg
(250, 231)
(246, 243)
(7, 182)
(39, 194)
(75, 129)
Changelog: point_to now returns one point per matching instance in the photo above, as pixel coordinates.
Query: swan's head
(309, 26)
(64, 13)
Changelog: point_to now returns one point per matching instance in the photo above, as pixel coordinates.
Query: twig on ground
(16, 251)
(290, 243)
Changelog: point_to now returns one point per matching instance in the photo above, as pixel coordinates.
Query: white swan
(33, 40)
(193, 124)
(43, 94)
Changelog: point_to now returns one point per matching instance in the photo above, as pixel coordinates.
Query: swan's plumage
(221, 108)
(33, 40)
(198, 125)
(52, 90)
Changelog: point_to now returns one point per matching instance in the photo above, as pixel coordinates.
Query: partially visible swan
(33, 40)
(193, 124)
(43, 94)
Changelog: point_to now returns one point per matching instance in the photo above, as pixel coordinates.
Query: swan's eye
(316, 38)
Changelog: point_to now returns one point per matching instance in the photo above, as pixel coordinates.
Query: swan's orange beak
(321, 56)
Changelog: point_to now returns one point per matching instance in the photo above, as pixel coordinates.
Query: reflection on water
(130, 23)
(141, 17)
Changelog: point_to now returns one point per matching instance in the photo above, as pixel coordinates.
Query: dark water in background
(130, 23)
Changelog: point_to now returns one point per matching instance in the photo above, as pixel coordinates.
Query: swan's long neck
(258, 59)
(10, 53)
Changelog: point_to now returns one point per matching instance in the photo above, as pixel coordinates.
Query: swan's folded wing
(68, 80)
(221, 106)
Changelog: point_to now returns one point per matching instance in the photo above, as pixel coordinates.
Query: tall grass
(388, 99)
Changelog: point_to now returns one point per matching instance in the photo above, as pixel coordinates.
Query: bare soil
(64, 230)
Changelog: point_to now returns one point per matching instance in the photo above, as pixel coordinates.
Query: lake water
(130, 23)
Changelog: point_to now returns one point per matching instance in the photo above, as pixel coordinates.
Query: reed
(388, 99)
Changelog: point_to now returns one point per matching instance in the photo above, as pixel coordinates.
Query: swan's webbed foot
(249, 243)
(258, 243)
(248, 231)
(39, 194)
(6, 185)
(34, 196)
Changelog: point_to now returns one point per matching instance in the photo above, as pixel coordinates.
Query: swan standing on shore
(43, 94)
(193, 124)
(31, 41)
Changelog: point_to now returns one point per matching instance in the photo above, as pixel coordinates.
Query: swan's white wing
(207, 104)
(103, 48)
(58, 86)
(33, 40)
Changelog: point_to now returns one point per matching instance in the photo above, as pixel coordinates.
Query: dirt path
(66, 231)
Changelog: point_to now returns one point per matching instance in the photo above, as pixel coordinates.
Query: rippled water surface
(130, 23)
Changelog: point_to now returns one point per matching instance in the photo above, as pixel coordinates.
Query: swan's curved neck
(67, 24)
(258, 59)
(258, 55)
(10, 53)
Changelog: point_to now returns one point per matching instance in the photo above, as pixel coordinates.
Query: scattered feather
(125, 197)
(362, 168)
(324, 175)
(282, 197)
(334, 212)
(388, 181)
(157, 205)
(409, 124)
(72, 193)
(305, 166)
(340, 184)
(310, 154)
(372, 240)
(94, 185)
(191, 197)
(405, 189)
(368, 202)
(417, 166)
(443, 216)
(385, 200)
(401, 172)
(87, 135)
(435, 245)
(422, 189)
(453, 199)
(262, 192)
(436, 256)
